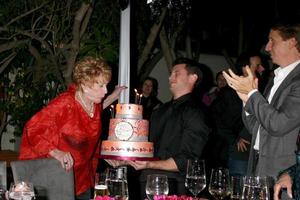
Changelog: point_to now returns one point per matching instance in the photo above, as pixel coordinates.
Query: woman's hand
(113, 96)
(65, 158)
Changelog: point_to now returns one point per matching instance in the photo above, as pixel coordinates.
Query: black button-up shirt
(178, 131)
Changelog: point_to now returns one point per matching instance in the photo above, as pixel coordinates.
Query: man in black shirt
(177, 129)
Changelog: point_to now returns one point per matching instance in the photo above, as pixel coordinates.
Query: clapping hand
(241, 84)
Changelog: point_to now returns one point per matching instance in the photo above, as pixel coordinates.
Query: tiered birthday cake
(128, 134)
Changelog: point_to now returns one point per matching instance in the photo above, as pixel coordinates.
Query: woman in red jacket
(68, 128)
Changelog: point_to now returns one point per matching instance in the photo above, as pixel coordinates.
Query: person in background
(177, 129)
(239, 149)
(69, 127)
(231, 146)
(211, 95)
(149, 101)
(273, 118)
(149, 98)
(255, 63)
(258, 68)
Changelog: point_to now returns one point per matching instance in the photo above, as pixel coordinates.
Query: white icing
(123, 131)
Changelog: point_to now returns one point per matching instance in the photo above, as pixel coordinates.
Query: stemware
(21, 191)
(195, 179)
(219, 186)
(116, 181)
(255, 187)
(3, 194)
(236, 187)
(100, 188)
(156, 185)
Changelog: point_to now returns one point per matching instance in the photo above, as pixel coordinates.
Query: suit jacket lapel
(268, 88)
(286, 82)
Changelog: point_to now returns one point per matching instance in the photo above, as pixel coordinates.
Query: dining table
(8, 156)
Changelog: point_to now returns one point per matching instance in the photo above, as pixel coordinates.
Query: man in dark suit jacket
(273, 118)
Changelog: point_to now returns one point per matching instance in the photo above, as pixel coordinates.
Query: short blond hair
(87, 69)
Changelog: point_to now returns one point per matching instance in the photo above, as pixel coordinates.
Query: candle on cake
(112, 111)
(140, 98)
(136, 96)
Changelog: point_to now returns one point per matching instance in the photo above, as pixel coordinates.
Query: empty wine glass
(21, 191)
(219, 186)
(195, 179)
(255, 187)
(156, 185)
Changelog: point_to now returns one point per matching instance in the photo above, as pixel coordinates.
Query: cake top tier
(129, 111)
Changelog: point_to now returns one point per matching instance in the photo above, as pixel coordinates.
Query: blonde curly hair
(88, 69)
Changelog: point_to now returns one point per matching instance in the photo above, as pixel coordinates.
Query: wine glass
(236, 187)
(3, 194)
(219, 186)
(100, 188)
(21, 191)
(255, 187)
(116, 181)
(157, 184)
(195, 179)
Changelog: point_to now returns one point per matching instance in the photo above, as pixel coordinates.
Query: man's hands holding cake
(168, 165)
(138, 165)
(116, 163)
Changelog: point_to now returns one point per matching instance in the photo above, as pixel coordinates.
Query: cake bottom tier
(127, 149)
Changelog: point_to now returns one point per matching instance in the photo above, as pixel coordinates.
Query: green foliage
(24, 90)
(103, 36)
(101, 43)
(44, 29)
(23, 97)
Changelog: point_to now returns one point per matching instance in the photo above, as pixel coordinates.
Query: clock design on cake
(123, 131)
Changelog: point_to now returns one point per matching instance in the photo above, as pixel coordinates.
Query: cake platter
(112, 157)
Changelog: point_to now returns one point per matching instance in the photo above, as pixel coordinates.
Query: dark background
(215, 24)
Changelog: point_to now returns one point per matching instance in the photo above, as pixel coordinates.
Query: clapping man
(273, 118)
